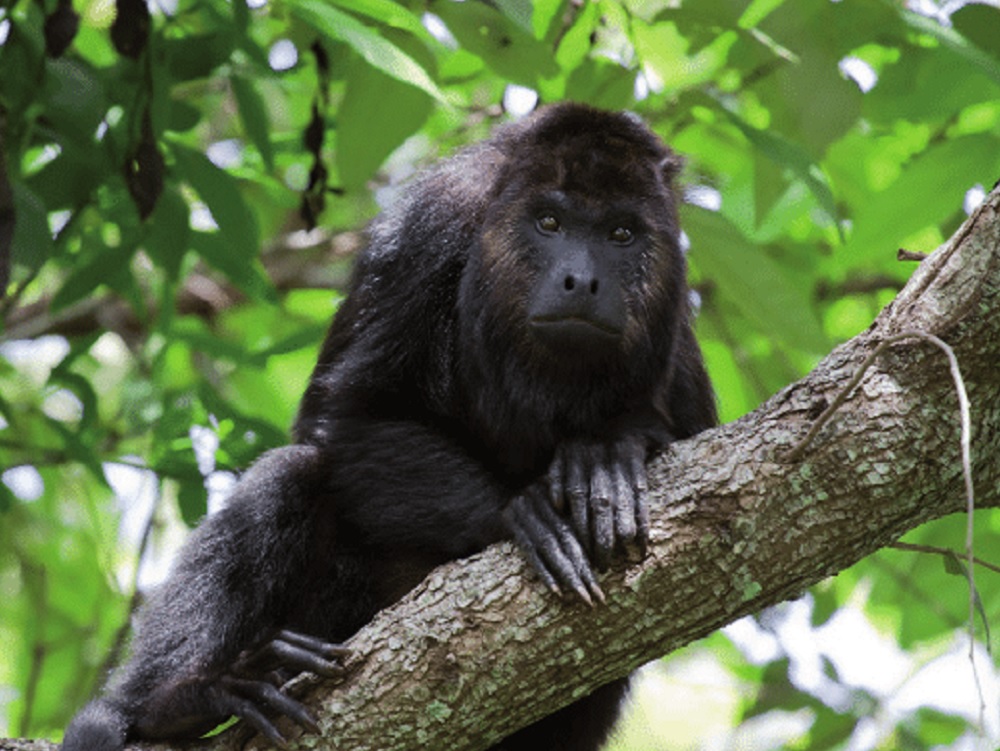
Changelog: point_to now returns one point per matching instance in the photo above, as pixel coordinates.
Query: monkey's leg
(232, 586)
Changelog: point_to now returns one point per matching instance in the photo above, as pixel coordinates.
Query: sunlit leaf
(929, 190)
(792, 157)
(372, 126)
(386, 12)
(507, 48)
(366, 42)
(754, 283)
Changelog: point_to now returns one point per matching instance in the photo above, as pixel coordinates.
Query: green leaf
(80, 451)
(980, 24)
(757, 11)
(939, 730)
(196, 333)
(509, 50)
(518, 11)
(241, 16)
(601, 83)
(366, 42)
(195, 56)
(953, 566)
(169, 232)
(752, 282)
(32, 242)
(955, 42)
(69, 180)
(192, 500)
(664, 54)
(244, 271)
(253, 113)
(75, 100)
(220, 192)
(22, 55)
(100, 266)
(926, 85)
(81, 388)
(371, 127)
(928, 191)
(543, 13)
(182, 117)
(574, 47)
(790, 156)
(388, 13)
(6, 499)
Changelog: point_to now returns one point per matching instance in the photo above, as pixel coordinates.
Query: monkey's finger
(314, 644)
(562, 563)
(623, 495)
(640, 487)
(602, 512)
(552, 547)
(569, 548)
(548, 579)
(577, 490)
(570, 573)
(581, 572)
(524, 542)
(298, 658)
(557, 480)
(519, 519)
(261, 692)
(227, 703)
(255, 717)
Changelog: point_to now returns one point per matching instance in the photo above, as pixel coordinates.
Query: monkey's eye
(548, 224)
(621, 236)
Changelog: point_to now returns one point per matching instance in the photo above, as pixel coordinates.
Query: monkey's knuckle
(602, 503)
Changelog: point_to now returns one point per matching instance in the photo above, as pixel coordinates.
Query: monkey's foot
(248, 690)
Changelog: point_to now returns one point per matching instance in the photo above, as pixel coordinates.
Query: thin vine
(966, 448)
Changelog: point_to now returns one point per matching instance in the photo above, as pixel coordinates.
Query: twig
(909, 255)
(943, 552)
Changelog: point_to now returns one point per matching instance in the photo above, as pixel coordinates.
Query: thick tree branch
(480, 648)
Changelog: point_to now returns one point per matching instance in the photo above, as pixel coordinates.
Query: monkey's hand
(604, 486)
(250, 686)
(550, 544)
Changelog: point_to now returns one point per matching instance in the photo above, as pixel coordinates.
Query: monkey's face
(576, 271)
(571, 279)
(582, 262)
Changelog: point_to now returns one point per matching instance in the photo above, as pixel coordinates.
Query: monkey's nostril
(569, 283)
(593, 287)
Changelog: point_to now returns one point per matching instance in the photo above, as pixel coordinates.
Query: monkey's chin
(571, 335)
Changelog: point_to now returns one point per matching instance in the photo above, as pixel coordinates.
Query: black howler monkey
(516, 341)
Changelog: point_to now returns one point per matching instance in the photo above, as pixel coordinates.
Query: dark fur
(432, 421)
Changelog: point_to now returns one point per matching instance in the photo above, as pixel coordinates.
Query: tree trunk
(480, 648)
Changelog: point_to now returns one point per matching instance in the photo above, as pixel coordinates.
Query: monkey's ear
(671, 166)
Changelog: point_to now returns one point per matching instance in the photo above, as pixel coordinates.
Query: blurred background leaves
(182, 188)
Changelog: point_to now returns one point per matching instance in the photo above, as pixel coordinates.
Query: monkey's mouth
(574, 332)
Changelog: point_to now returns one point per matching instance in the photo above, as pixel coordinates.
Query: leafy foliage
(163, 171)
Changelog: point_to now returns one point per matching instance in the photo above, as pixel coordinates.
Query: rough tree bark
(480, 648)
